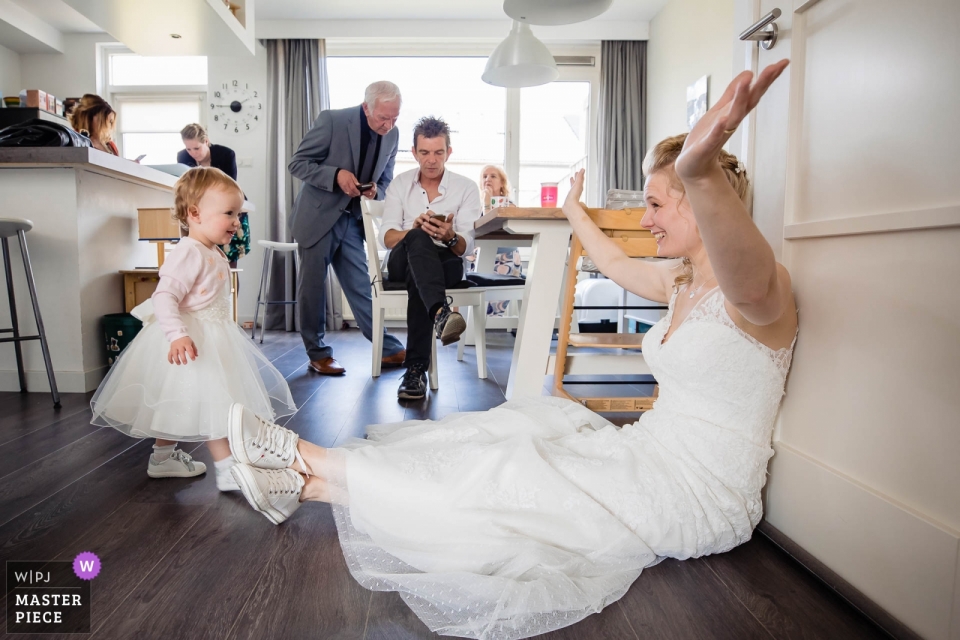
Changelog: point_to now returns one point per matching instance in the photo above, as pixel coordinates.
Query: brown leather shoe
(395, 360)
(327, 367)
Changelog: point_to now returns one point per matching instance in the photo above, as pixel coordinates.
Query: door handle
(765, 37)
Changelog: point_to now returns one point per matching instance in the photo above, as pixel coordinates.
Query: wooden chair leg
(566, 317)
(376, 341)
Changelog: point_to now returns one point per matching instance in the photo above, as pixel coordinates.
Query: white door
(855, 153)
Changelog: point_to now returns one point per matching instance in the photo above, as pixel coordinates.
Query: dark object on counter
(40, 133)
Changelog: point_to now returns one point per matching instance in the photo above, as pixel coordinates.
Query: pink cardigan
(192, 276)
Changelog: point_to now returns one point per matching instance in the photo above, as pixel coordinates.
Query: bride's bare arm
(744, 264)
(645, 279)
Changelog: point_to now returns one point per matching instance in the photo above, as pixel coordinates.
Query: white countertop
(87, 159)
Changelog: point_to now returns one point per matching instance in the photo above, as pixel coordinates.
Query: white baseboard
(67, 381)
(903, 560)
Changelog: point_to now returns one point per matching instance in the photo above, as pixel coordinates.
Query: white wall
(9, 72)
(251, 150)
(688, 39)
(69, 74)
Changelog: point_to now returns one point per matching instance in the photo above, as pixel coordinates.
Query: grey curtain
(297, 91)
(623, 114)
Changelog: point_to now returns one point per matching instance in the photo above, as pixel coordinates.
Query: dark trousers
(342, 249)
(427, 270)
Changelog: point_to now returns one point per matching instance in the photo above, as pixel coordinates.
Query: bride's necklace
(697, 290)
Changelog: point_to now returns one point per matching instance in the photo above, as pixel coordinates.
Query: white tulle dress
(145, 396)
(528, 517)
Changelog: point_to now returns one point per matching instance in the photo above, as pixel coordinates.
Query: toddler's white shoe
(178, 465)
(259, 442)
(226, 481)
(273, 492)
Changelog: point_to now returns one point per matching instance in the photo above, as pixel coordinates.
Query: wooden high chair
(635, 241)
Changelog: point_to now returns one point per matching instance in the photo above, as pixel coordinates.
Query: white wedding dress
(528, 517)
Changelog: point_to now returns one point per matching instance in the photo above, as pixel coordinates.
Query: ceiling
(60, 16)
(622, 10)
(37, 26)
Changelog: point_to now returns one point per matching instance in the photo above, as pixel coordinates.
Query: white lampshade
(520, 61)
(554, 12)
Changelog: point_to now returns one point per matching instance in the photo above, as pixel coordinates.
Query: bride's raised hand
(576, 190)
(703, 144)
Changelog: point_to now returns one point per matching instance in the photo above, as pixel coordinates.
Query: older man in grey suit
(346, 149)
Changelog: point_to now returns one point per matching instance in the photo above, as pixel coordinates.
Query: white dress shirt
(405, 200)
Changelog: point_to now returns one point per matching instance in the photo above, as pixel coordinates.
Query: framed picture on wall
(696, 101)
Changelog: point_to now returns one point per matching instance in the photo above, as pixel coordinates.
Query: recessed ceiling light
(175, 36)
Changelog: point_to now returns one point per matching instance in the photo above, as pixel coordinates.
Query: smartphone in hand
(366, 186)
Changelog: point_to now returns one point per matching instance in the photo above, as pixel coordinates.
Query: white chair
(268, 248)
(384, 299)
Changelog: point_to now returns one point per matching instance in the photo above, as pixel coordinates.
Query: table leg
(541, 296)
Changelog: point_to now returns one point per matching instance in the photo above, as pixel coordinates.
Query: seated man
(428, 217)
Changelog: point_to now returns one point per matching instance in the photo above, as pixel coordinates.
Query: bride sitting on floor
(529, 517)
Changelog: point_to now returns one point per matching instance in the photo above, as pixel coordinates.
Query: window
(554, 133)
(155, 97)
(449, 88)
(539, 134)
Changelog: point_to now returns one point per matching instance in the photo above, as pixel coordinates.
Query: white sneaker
(178, 465)
(259, 442)
(273, 492)
(226, 482)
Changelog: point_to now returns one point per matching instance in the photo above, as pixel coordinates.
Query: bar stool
(268, 248)
(19, 227)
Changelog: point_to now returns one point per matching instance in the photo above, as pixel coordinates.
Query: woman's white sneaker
(273, 492)
(178, 465)
(259, 442)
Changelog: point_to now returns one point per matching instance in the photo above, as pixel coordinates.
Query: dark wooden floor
(181, 560)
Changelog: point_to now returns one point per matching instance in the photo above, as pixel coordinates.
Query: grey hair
(383, 91)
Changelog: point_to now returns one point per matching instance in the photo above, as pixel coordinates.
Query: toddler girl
(177, 379)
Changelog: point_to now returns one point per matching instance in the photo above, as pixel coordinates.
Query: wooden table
(139, 284)
(549, 233)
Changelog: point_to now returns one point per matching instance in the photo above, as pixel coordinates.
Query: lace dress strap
(713, 308)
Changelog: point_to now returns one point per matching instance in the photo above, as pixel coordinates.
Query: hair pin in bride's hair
(740, 168)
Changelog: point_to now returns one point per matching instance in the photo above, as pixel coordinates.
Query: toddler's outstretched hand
(180, 349)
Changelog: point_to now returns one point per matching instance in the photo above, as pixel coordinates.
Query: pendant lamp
(520, 61)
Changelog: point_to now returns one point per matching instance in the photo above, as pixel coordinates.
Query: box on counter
(59, 107)
(33, 98)
(51, 103)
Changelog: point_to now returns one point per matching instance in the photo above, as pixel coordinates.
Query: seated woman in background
(199, 152)
(93, 117)
(493, 183)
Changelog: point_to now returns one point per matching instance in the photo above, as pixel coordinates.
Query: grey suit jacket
(332, 143)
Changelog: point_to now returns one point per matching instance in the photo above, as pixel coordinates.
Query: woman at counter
(95, 118)
(199, 152)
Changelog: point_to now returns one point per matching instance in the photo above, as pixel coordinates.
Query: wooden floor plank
(679, 600)
(781, 595)
(28, 449)
(27, 487)
(326, 601)
(203, 585)
(24, 413)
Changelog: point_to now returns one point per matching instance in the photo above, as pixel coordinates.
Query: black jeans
(427, 270)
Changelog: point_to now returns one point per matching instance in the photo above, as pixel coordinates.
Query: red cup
(548, 194)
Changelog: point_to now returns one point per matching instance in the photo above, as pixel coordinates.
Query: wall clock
(235, 107)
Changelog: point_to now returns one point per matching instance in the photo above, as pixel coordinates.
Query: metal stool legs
(15, 330)
(269, 248)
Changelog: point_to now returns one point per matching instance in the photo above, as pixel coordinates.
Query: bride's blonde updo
(663, 156)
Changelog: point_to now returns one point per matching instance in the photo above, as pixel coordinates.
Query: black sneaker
(449, 324)
(414, 384)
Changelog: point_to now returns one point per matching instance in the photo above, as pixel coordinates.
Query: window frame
(115, 94)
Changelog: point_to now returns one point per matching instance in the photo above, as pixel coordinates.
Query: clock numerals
(230, 93)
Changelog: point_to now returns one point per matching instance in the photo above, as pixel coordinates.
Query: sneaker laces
(414, 371)
(273, 438)
(279, 482)
(184, 457)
